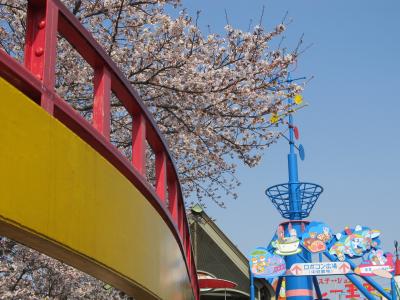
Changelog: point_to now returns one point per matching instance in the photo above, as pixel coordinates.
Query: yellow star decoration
(274, 118)
(298, 99)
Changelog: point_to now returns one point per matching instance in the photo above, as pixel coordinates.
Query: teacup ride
(287, 246)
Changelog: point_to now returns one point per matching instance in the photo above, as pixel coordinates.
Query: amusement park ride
(296, 251)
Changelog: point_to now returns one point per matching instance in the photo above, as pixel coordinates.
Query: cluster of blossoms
(28, 274)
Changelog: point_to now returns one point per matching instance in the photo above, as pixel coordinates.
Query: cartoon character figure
(314, 245)
(293, 232)
(281, 233)
(338, 249)
(377, 257)
(254, 264)
(326, 235)
(356, 244)
(367, 243)
(260, 269)
(261, 264)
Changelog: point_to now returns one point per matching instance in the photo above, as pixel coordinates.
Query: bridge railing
(45, 20)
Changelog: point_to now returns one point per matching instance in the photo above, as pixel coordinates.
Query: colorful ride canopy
(317, 237)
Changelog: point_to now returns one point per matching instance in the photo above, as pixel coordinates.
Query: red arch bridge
(66, 190)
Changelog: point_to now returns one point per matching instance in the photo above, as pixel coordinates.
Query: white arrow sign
(323, 268)
(383, 270)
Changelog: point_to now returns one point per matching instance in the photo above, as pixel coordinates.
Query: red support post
(139, 143)
(173, 199)
(101, 104)
(180, 219)
(189, 255)
(161, 175)
(41, 45)
(184, 230)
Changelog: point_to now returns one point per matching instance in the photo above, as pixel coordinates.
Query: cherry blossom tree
(212, 96)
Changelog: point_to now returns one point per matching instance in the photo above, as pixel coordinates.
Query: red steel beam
(101, 103)
(41, 44)
(139, 144)
(173, 200)
(181, 217)
(161, 176)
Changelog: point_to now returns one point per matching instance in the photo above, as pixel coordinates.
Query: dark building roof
(215, 254)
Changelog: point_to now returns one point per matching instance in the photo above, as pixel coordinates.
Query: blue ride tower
(294, 201)
(289, 255)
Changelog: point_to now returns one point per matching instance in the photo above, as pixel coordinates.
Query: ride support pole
(393, 287)
(298, 287)
(251, 286)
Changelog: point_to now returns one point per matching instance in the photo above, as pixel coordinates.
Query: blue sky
(350, 130)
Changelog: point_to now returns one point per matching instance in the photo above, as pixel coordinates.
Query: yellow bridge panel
(61, 196)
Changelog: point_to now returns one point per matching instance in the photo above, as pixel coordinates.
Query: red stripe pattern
(299, 293)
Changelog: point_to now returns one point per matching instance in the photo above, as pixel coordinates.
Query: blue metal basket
(308, 194)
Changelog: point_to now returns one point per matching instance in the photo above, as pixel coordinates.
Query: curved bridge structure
(67, 191)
